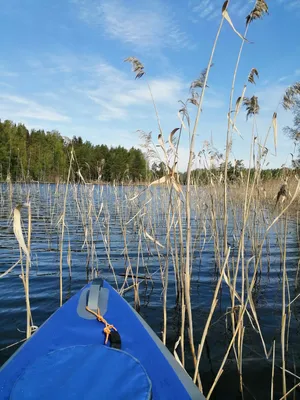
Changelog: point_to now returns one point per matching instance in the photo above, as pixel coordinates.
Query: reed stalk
(187, 277)
(62, 233)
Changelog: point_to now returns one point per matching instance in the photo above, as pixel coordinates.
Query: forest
(42, 156)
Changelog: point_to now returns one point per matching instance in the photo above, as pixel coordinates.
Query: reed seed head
(252, 75)
(260, 9)
(199, 83)
(194, 99)
(252, 106)
(137, 66)
(290, 96)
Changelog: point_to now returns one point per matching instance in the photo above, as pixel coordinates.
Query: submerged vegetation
(166, 229)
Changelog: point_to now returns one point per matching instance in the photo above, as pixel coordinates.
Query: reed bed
(215, 257)
(107, 224)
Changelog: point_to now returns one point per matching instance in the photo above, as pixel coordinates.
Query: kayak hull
(73, 325)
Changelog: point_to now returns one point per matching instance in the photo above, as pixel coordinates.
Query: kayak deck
(72, 326)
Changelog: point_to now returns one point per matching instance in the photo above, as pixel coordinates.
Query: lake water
(94, 216)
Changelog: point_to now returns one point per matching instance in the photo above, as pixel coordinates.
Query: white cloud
(34, 63)
(164, 91)
(118, 95)
(290, 78)
(283, 78)
(204, 9)
(241, 8)
(97, 91)
(109, 93)
(14, 107)
(142, 24)
(270, 97)
(7, 74)
(49, 95)
(113, 94)
(53, 64)
(108, 112)
(291, 5)
(116, 99)
(211, 9)
(4, 84)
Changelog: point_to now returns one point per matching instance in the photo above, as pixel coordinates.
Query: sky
(62, 68)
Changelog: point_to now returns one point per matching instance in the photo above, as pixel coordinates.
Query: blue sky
(62, 67)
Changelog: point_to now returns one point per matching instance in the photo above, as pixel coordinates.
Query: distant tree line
(42, 156)
(45, 156)
(237, 173)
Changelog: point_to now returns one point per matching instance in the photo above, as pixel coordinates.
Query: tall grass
(153, 226)
(174, 225)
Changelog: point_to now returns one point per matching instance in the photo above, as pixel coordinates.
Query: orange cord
(108, 327)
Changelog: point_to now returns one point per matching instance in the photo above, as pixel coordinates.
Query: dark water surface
(93, 218)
